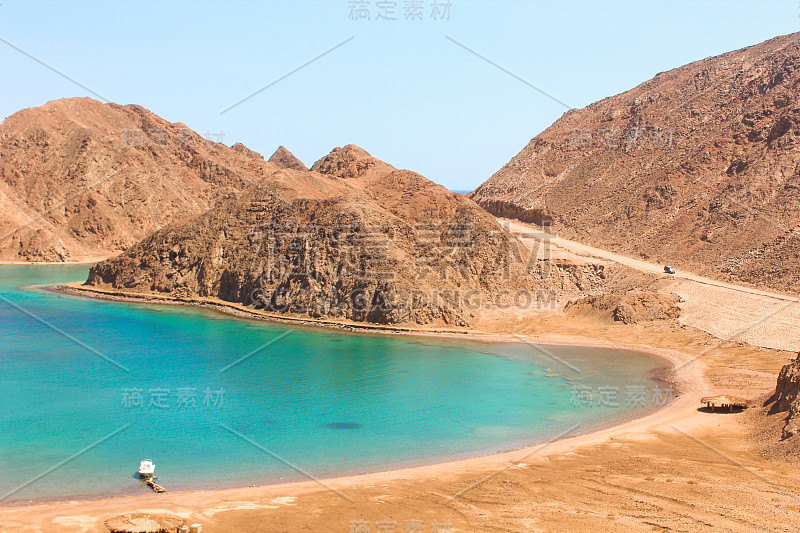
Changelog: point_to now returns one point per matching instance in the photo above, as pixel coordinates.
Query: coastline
(669, 438)
(468, 334)
(88, 260)
(576, 437)
(243, 498)
(579, 436)
(241, 311)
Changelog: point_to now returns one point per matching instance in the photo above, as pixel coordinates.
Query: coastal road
(725, 310)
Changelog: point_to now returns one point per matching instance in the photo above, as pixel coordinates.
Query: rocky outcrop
(286, 159)
(242, 149)
(350, 162)
(697, 167)
(505, 209)
(148, 522)
(83, 178)
(629, 307)
(786, 398)
(354, 239)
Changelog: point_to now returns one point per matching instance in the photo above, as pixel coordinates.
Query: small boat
(147, 468)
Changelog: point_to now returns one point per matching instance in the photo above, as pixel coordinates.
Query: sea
(90, 387)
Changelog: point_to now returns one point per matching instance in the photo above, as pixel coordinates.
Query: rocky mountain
(81, 178)
(786, 398)
(697, 167)
(354, 238)
(286, 159)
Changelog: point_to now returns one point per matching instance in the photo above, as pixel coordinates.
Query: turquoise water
(299, 402)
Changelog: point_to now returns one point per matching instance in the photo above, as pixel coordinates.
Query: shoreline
(670, 452)
(573, 438)
(475, 335)
(107, 506)
(90, 260)
(576, 434)
(399, 472)
(241, 311)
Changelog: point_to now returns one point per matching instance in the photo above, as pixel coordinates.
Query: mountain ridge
(696, 167)
(352, 239)
(82, 178)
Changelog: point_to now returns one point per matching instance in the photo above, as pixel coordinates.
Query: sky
(451, 90)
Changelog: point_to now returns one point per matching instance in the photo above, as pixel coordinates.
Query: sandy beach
(678, 469)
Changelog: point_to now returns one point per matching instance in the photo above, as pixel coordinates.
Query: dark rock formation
(787, 397)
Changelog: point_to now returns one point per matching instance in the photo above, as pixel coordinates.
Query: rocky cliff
(787, 397)
(354, 238)
(697, 167)
(81, 178)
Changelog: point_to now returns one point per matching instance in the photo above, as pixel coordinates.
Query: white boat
(147, 468)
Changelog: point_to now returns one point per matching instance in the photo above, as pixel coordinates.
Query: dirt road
(728, 311)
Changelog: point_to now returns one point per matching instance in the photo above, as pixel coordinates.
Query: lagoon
(88, 388)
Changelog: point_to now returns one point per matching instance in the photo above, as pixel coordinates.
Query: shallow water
(88, 388)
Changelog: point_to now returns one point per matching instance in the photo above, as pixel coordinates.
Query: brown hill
(81, 178)
(697, 167)
(286, 159)
(354, 239)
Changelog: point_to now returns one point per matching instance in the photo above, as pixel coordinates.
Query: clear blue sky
(400, 89)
